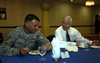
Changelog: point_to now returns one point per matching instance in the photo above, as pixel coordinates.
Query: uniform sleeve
(6, 48)
(42, 40)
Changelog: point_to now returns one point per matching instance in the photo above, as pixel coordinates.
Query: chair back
(50, 37)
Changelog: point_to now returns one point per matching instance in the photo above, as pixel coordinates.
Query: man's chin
(34, 32)
(65, 29)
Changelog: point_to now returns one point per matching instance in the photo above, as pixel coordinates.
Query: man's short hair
(31, 17)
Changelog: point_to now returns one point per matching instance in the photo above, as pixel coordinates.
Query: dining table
(81, 56)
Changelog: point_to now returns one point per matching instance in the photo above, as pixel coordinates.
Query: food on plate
(35, 51)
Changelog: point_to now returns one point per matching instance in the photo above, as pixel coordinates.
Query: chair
(50, 37)
(92, 36)
(1, 38)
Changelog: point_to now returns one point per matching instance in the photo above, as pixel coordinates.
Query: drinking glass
(42, 52)
(55, 59)
(86, 47)
(99, 48)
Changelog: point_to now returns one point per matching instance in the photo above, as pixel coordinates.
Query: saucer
(95, 46)
(34, 52)
(82, 46)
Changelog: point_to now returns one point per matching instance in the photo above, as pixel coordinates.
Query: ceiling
(97, 2)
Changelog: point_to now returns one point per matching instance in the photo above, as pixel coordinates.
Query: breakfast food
(35, 51)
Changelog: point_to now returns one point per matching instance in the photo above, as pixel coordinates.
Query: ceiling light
(89, 3)
(71, 0)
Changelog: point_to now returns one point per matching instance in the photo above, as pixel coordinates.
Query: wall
(97, 9)
(16, 11)
(81, 15)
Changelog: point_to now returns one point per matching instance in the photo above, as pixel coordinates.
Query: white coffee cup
(82, 45)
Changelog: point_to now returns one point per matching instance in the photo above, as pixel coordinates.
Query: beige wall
(81, 15)
(97, 9)
(16, 11)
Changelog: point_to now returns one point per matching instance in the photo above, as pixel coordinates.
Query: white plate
(95, 46)
(34, 52)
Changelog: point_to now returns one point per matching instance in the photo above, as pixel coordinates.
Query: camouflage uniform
(18, 39)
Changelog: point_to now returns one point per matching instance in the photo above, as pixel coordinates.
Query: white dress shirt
(75, 35)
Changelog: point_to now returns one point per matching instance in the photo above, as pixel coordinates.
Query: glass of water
(42, 52)
(55, 59)
(86, 47)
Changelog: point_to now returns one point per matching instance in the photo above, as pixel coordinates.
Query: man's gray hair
(68, 18)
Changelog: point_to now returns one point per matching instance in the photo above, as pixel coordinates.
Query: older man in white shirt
(74, 34)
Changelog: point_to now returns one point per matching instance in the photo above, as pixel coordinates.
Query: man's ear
(27, 24)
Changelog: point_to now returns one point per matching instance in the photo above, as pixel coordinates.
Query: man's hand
(24, 51)
(95, 42)
(77, 43)
(47, 47)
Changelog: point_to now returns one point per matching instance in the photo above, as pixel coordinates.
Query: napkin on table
(70, 46)
(56, 49)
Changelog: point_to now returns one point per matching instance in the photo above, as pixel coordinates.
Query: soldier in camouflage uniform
(24, 38)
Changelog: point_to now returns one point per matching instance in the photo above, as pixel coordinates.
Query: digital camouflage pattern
(18, 39)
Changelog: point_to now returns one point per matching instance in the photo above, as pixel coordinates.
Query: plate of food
(34, 52)
(95, 46)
